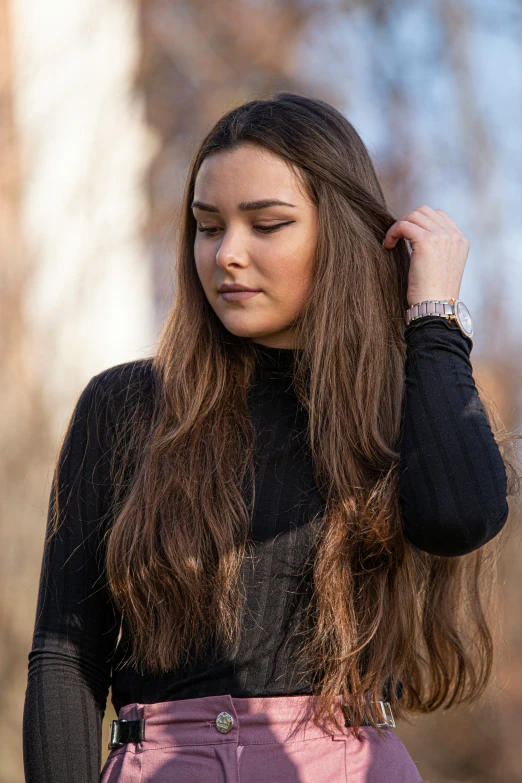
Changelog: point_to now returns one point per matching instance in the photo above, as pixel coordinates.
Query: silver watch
(451, 309)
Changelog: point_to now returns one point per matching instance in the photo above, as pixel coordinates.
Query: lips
(237, 296)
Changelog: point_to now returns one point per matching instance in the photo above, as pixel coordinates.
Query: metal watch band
(450, 309)
(442, 307)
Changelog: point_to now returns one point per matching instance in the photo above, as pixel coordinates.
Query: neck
(275, 358)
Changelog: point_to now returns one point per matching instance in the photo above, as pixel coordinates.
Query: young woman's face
(244, 237)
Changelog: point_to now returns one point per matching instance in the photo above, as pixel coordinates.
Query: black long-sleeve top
(453, 492)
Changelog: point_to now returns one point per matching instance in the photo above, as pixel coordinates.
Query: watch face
(464, 318)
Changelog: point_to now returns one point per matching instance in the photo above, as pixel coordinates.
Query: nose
(231, 251)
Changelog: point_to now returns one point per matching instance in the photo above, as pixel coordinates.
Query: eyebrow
(244, 206)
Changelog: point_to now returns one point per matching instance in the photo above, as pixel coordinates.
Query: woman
(268, 538)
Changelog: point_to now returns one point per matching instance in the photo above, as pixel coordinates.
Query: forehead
(247, 173)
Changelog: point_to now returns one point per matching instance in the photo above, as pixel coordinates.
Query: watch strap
(441, 307)
(453, 311)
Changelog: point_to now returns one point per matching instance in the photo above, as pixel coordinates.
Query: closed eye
(263, 229)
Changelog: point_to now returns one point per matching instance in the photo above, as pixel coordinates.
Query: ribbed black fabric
(452, 491)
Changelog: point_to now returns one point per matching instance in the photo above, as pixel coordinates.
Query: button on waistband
(224, 722)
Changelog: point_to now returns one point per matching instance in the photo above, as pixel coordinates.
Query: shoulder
(120, 380)
(116, 389)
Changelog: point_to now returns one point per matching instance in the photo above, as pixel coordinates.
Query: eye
(268, 229)
(207, 230)
(264, 229)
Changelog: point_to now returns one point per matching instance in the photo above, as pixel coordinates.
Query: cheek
(203, 263)
(293, 276)
(288, 290)
(293, 288)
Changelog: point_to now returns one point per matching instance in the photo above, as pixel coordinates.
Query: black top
(452, 490)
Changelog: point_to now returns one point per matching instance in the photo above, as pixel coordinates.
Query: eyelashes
(262, 229)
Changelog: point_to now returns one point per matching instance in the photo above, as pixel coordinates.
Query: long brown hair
(381, 612)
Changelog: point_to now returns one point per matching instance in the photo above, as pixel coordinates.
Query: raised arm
(452, 476)
(75, 628)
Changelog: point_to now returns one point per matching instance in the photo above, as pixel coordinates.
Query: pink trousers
(226, 739)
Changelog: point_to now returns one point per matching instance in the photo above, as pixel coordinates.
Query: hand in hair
(440, 250)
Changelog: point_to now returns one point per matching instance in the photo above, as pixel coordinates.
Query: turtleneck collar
(278, 359)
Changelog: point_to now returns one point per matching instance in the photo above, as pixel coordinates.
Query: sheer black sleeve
(453, 480)
(75, 630)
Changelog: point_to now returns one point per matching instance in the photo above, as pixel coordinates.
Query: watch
(451, 309)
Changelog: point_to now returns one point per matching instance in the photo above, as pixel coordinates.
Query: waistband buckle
(123, 731)
(386, 711)
(387, 714)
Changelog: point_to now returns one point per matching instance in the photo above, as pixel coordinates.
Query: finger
(447, 218)
(437, 215)
(403, 228)
(441, 217)
(417, 218)
(423, 220)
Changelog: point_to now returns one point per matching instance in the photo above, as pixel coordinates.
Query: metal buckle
(113, 736)
(123, 731)
(385, 709)
(387, 714)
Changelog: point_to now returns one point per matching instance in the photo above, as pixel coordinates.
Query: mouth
(237, 296)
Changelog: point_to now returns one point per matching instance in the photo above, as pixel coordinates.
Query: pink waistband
(245, 721)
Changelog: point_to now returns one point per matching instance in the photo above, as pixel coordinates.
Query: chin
(248, 335)
(244, 330)
(254, 336)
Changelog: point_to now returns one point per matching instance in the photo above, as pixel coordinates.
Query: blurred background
(102, 104)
